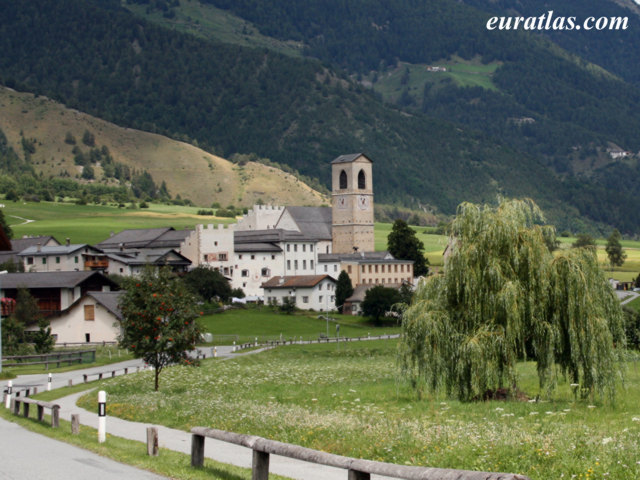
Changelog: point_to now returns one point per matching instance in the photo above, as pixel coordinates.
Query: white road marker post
(102, 416)
(7, 398)
(49, 383)
(215, 352)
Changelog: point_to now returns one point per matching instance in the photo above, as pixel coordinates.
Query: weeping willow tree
(503, 294)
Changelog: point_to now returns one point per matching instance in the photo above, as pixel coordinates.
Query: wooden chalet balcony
(101, 264)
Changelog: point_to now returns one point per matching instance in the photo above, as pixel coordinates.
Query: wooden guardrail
(26, 401)
(85, 376)
(357, 469)
(49, 358)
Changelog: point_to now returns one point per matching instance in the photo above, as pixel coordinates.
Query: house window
(57, 259)
(305, 299)
(319, 287)
(226, 270)
(376, 268)
(335, 268)
(215, 244)
(265, 272)
(29, 260)
(89, 312)
(222, 257)
(369, 268)
(295, 264)
(44, 260)
(240, 257)
(288, 247)
(396, 268)
(295, 247)
(311, 247)
(311, 264)
(75, 259)
(348, 268)
(363, 267)
(253, 257)
(304, 264)
(245, 273)
(320, 299)
(121, 270)
(273, 257)
(288, 264)
(382, 268)
(333, 298)
(326, 268)
(402, 268)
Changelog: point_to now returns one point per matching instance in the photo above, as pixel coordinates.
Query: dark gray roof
(350, 158)
(361, 290)
(19, 244)
(313, 222)
(166, 237)
(267, 236)
(109, 300)
(49, 279)
(56, 250)
(256, 247)
(149, 256)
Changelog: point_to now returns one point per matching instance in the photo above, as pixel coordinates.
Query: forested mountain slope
(99, 58)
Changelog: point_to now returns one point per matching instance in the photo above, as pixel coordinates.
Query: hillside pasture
(347, 399)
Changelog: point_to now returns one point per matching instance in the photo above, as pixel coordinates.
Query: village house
(15, 246)
(55, 291)
(62, 258)
(133, 261)
(309, 292)
(95, 317)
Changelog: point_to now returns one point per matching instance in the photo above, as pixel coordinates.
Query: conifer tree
(616, 254)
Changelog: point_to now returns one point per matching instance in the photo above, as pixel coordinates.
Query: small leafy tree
(614, 249)
(288, 305)
(208, 283)
(42, 340)
(5, 225)
(378, 301)
(159, 320)
(584, 240)
(403, 244)
(26, 313)
(344, 289)
(503, 290)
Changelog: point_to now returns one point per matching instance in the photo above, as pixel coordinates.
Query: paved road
(30, 456)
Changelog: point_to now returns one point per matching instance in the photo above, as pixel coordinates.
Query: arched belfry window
(343, 180)
(362, 180)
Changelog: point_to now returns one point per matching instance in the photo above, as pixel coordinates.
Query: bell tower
(352, 204)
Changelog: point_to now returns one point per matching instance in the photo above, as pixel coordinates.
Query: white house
(95, 317)
(62, 258)
(310, 292)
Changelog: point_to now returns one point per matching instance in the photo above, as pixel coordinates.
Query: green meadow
(245, 324)
(348, 399)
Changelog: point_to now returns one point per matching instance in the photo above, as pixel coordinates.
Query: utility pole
(1, 273)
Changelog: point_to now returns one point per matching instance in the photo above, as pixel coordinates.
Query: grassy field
(94, 223)
(244, 325)
(347, 399)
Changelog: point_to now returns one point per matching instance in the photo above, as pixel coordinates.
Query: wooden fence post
(152, 441)
(40, 412)
(197, 450)
(260, 470)
(75, 424)
(55, 416)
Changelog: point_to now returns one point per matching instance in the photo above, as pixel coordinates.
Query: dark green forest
(99, 58)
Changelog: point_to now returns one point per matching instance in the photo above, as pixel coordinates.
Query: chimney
(68, 241)
(281, 281)
(39, 247)
(121, 245)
